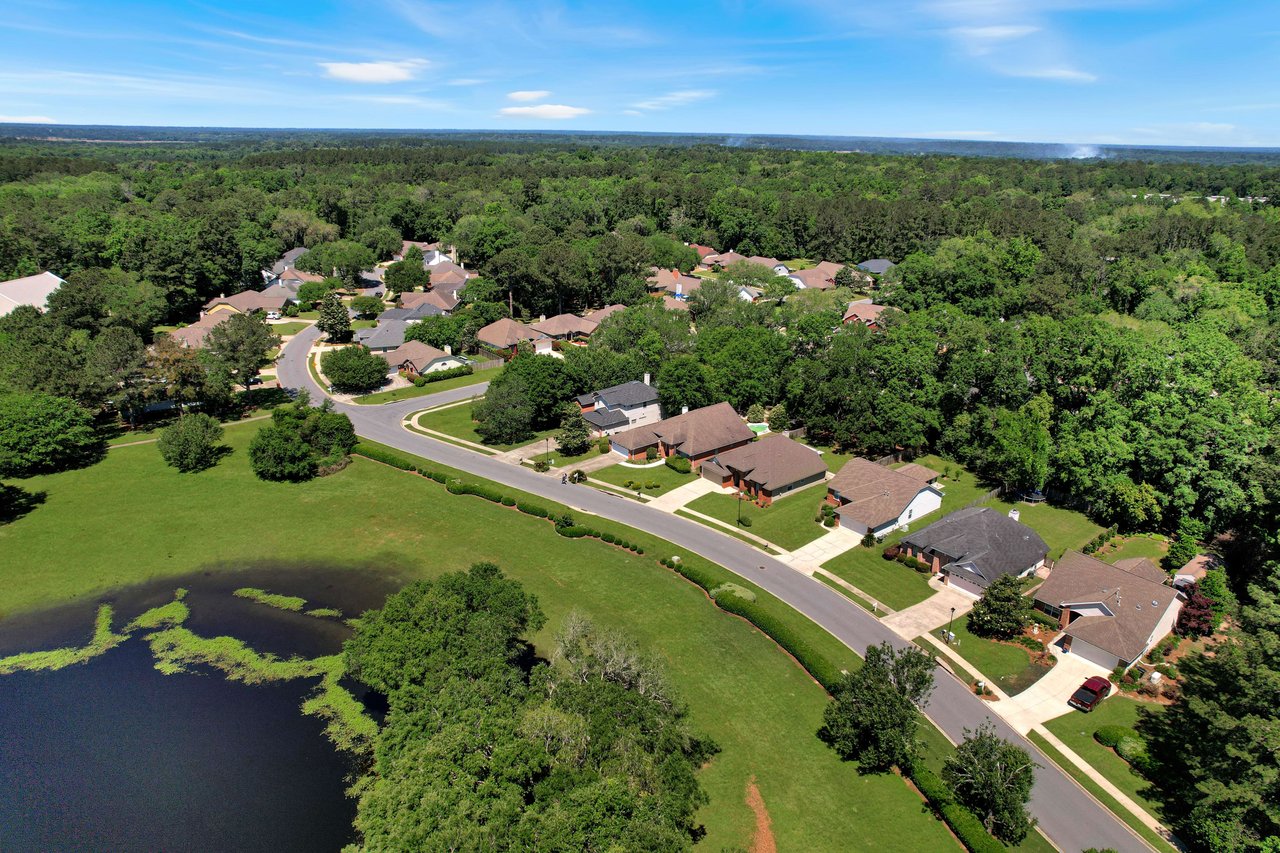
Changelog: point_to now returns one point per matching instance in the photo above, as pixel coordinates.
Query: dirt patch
(763, 841)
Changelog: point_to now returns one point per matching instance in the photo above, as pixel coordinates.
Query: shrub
(542, 466)
(353, 369)
(439, 476)
(1044, 619)
(577, 476)
(610, 538)
(679, 464)
(640, 551)
(651, 485)
(892, 552)
(602, 446)
(378, 454)
(1112, 735)
(564, 520)
(755, 414)
(651, 454)
(868, 540)
(1030, 642)
(969, 829)
(1131, 749)
(532, 509)
(441, 375)
(829, 521)
(507, 500)
(746, 521)
(191, 443)
(574, 531)
(280, 454)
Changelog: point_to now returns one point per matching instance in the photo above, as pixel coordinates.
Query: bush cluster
(301, 442)
(1101, 539)
(912, 563)
(678, 464)
(440, 375)
(1045, 619)
(964, 823)
(1112, 735)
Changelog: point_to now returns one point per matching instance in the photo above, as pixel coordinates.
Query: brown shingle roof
(565, 325)
(815, 279)
(863, 312)
(673, 281)
(443, 300)
(774, 462)
(706, 430)
(1137, 604)
(723, 259)
(1143, 568)
(417, 353)
(872, 494)
(249, 300)
(670, 302)
(291, 274)
(506, 333)
(193, 336)
(598, 315)
(918, 472)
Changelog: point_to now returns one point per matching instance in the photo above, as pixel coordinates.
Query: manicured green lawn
(363, 324)
(560, 460)
(457, 422)
(1006, 665)
(1059, 528)
(131, 519)
(429, 388)
(1153, 546)
(787, 522)
(292, 328)
(660, 474)
(957, 492)
(1076, 729)
(309, 315)
(887, 581)
(835, 459)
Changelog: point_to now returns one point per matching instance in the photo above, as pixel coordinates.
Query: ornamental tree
(1003, 611)
(993, 779)
(874, 715)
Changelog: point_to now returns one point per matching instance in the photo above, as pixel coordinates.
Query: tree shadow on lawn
(16, 502)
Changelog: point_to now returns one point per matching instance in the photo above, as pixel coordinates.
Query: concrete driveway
(1047, 698)
(828, 546)
(933, 612)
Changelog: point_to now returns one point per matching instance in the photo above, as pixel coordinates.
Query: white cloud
(26, 120)
(632, 113)
(1070, 75)
(528, 95)
(545, 111)
(674, 99)
(466, 81)
(375, 72)
(995, 32)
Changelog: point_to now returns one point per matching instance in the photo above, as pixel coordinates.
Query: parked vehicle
(273, 315)
(1088, 695)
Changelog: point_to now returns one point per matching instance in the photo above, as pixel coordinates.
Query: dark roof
(982, 543)
(694, 433)
(1136, 604)
(387, 334)
(606, 418)
(633, 393)
(287, 260)
(877, 266)
(774, 462)
(417, 312)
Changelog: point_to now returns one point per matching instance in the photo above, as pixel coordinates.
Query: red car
(1088, 695)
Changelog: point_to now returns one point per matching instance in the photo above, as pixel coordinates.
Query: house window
(1050, 610)
(910, 513)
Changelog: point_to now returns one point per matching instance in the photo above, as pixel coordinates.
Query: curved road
(1069, 816)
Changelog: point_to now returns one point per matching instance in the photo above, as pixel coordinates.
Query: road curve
(1069, 816)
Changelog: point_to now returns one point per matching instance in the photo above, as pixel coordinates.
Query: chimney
(542, 318)
(646, 379)
(684, 410)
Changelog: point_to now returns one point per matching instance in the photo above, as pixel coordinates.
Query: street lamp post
(953, 619)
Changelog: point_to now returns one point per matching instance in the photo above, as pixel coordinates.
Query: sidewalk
(678, 497)
(828, 546)
(933, 612)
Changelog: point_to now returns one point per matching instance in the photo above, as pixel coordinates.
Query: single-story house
(286, 261)
(919, 472)
(432, 253)
(877, 266)
(194, 335)
(1108, 615)
(620, 407)
(723, 259)
(673, 304)
(33, 290)
(673, 282)
(384, 337)
(749, 293)
(871, 497)
(973, 547)
(865, 313)
(506, 333)
(767, 469)
(778, 267)
(416, 358)
(246, 302)
(444, 300)
(697, 435)
(565, 327)
(1143, 568)
(812, 279)
(598, 316)
(1195, 570)
(412, 315)
(703, 251)
(297, 277)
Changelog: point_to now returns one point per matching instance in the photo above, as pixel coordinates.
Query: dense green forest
(1096, 329)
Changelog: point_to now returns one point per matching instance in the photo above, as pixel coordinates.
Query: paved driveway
(933, 612)
(1047, 698)
(828, 546)
(678, 497)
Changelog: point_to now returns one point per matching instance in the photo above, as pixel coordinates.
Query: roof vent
(1155, 603)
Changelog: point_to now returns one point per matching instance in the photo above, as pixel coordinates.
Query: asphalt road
(1069, 816)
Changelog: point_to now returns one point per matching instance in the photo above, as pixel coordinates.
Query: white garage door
(1093, 654)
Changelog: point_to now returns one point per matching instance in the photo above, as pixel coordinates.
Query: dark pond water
(113, 755)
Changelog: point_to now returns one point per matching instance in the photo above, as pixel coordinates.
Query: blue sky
(1180, 72)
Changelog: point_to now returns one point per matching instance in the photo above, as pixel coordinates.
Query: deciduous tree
(993, 778)
(1003, 611)
(874, 714)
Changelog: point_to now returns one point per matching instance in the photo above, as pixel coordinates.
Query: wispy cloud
(26, 120)
(400, 100)
(466, 81)
(528, 95)
(545, 111)
(672, 100)
(398, 71)
(1070, 75)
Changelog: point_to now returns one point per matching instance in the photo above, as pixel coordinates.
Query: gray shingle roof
(387, 334)
(606, 418)
(417, 312)
(877, 266)
(633, 393)
(982, 543)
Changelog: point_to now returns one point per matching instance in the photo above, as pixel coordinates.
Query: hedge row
(1112, 735)
(964, 823)
(440, 375)
(1045, 619)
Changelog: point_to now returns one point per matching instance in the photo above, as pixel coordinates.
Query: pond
(114, 755)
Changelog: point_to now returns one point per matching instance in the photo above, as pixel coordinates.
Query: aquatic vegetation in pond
(292, 603)
(176, 648)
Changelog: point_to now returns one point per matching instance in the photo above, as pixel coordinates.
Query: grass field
(887, 581)
(1059, 528)
(787, 523)
(560, 460)
(1076, 731)
(429, 388)
(291, 328)
(1153, 546)
(457, 422)
(660, 474)
(1008, 666)
(759, 706)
